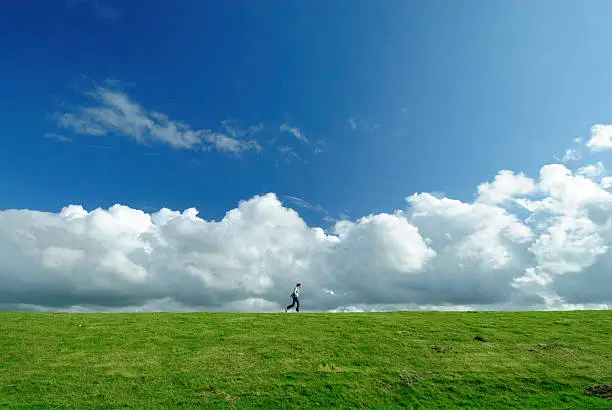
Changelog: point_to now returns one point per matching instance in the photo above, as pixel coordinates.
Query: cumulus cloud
(601, 138)
(592, 171)
(504, 187)
(112, 112)
(522, 243)
(606, 182)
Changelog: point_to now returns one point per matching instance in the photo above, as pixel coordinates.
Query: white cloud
(233, 129)
(289, 155)
(467, 308)
(355, 125)
(438, 253)
(606, 182)
(505, 186)
(571, 154)
(299, 202)
(601, 138)
(568, 193)
(569, 245)
(592, 171)
(320, 146)
(352, 124)
(294, 131)
(57, 137)
(114, 113)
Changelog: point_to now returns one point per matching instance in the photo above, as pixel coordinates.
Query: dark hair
(299, 284)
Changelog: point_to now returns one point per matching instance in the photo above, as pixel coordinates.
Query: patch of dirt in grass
(562, 322)
(545, 346)
(440, 349)
(232, 400)
(125, 373)
(408, 379)
(601, 390)
(480, 338)
(331, 368)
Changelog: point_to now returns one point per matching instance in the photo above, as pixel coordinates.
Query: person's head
(299, 285)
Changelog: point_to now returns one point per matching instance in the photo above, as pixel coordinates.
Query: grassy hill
(382, 360)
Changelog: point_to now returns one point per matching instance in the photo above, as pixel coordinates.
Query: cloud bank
(520, 244)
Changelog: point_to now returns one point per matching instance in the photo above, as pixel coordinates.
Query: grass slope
(382, 360)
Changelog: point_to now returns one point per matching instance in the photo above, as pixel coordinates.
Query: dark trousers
(296, 303)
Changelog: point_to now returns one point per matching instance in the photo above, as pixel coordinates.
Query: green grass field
(378, 360)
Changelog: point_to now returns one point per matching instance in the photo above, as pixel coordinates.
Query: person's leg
(297, 308)
(292, 304)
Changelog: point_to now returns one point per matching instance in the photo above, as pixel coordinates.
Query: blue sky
(392, 97)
